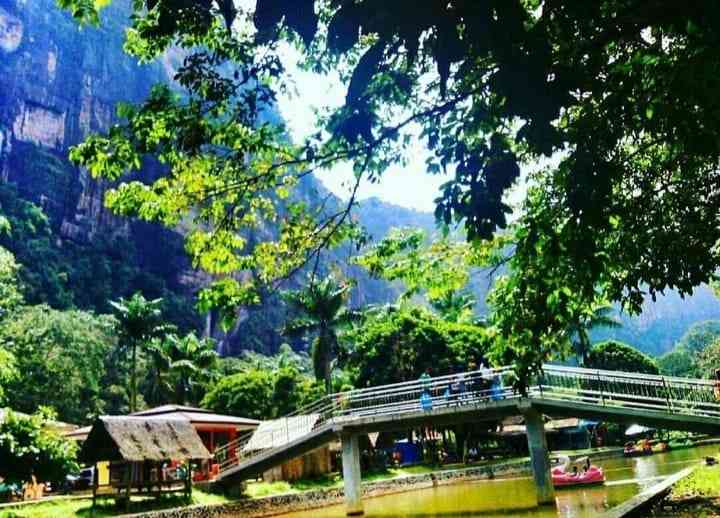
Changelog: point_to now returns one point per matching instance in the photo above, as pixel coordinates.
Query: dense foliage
(579, 331)
(699, 336)
(708, 360)
(10, 297)
(694, 353)
(623, 92)
(400, 344)
(67, 275)
(179, 369)
(678, 362)
(262, 394)
(28, 447)
(613, 355)
(440, 270)
(139, 323)
(323, 314)
(8, 371)
(61, 357)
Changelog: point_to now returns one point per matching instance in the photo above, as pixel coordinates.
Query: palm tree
(158, 387)
(323, 314)
(455, 307)
(192, 364)
(139, 322)
(579, 333)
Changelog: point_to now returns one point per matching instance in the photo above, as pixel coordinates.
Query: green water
(515, 497)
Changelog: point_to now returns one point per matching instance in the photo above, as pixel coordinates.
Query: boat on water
(660, 447)
(638, 449)
(576, 473)
(593, 475)
(681, 444)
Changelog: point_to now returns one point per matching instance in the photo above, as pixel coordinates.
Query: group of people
(475, 384)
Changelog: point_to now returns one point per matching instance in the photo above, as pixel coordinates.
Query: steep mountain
(58, 83)
(378, 217)
(663, 321)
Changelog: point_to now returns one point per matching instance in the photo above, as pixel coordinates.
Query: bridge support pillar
(351, 475)
(539, 457)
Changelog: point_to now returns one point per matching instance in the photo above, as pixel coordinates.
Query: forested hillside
(663, 322)
(57, 85)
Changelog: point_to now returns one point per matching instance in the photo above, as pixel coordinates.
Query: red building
(215, 430)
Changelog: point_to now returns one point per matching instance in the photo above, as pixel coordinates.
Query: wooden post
(188, 482)
(96, 482)
(129, 475)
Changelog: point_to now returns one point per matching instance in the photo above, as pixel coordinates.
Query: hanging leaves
(299, 15)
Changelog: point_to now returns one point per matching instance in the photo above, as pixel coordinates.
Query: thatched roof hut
(136, 439)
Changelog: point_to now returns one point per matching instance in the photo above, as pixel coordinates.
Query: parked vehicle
(79, 481)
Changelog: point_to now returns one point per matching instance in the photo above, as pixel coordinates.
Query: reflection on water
(515, 497)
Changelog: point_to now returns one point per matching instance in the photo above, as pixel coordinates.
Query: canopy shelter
(637, 429)
(146, 454)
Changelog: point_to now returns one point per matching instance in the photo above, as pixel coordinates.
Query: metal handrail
(554, 382)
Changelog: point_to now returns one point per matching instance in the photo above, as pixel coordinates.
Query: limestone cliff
(58, 83)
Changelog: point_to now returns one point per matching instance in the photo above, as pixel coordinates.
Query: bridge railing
(644, 391)
(450, 391)
(275, 434)
(597, 387)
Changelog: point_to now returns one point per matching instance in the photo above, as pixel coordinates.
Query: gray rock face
(59, 83)
(11, 32)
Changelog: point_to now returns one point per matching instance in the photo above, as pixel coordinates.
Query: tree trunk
(133, 380)
(327, 374)
(585, 345)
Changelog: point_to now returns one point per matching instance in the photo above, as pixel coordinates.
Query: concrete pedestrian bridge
(484, 395)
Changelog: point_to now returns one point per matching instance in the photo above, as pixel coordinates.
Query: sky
(408, 186)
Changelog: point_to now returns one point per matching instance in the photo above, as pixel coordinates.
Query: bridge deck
(671, 403)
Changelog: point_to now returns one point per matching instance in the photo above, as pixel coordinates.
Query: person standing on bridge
(426, 386)
(496, 388)
(716, 389)
(486, 378)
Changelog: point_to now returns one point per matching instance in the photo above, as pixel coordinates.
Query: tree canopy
(622, 93)
(679, 362)
(323, 314)
(617, 356)
(28, 447)
(260, 394)
(62, 357)
(139, 322)
(179, 369)
(400, 345)
(699, 336)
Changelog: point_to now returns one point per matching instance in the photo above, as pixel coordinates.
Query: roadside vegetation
(106, 507)
(617, 98)
(697, 495)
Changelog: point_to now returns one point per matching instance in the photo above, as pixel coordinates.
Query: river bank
(267, 499)
(697, 495)
(509, 483)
